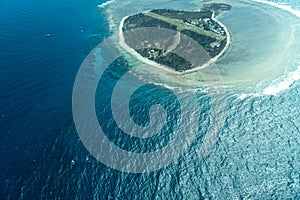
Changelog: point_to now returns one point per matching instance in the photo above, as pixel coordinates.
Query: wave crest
(103, 5)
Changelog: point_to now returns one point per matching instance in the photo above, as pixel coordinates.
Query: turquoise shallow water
(255, 154)
(265, 43)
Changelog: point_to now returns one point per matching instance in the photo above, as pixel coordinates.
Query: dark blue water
(42, 44)
(42, 47)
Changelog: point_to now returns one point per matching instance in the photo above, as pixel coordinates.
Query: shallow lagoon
(265, 47)
(256, 155)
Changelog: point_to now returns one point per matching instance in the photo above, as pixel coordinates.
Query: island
(201, 26)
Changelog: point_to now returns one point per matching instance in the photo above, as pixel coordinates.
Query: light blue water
(256, 155)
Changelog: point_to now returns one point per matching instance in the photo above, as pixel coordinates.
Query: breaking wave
(103, 5)
(285, 81)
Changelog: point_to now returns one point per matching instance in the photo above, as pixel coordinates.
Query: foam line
(101, 6)
(285, 84)
(279, 86)
(280, 6)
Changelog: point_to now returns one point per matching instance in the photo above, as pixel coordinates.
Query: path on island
(177, 41)
(174, 22)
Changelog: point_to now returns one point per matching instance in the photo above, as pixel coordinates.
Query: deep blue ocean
(42, 46)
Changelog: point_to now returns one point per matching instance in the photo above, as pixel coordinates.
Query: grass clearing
(181, 25)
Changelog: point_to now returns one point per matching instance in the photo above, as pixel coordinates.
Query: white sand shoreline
(137, 55)
(216, 58)
(150, 62)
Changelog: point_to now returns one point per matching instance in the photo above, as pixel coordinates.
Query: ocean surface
(254, 154)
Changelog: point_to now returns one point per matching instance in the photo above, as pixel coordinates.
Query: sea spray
(103, 5)
(284, 83)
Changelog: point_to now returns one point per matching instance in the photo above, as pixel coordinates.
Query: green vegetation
(183, 15)
(167, 60)
(206, 42)
(181, 25)
(198, 25)
(141, 20)
(218, 8)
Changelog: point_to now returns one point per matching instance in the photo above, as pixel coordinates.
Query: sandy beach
(147, 61)
(135, 54)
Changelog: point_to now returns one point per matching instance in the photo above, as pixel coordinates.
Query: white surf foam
(283, 83)
(280, 6)
(101, 6)
(245, 96)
